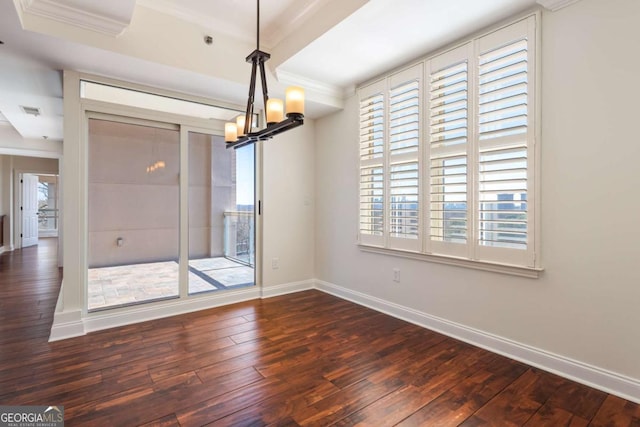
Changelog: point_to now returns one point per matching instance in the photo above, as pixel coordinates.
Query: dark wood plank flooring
(300, 359)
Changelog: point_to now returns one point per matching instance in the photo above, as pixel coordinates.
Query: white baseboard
(73, 324)
(66, 324)
(287, 288)
(610, 382)
(145, 312)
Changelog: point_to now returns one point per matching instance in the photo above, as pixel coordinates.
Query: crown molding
(295, 19)
(554, 5)
(311, 85)
(57, 11)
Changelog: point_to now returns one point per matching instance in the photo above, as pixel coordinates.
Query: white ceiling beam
(311, 27)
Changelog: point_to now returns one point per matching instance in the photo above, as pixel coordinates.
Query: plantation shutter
(505, 132)
(403, 159)
(447, 163)
(447, 153)
(372, 170)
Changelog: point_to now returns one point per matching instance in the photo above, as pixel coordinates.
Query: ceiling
(328, 46)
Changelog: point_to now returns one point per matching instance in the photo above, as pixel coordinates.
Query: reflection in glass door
(221, 215)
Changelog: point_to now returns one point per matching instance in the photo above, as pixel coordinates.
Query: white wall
(35, 165)
(585, 306)
(288, 206)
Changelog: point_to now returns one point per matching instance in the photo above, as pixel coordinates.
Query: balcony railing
(47, 219)
(239, 236)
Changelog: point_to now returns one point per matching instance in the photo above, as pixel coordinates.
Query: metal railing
(47, 219)
(239, 236)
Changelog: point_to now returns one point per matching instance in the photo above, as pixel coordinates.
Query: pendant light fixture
(241, 132)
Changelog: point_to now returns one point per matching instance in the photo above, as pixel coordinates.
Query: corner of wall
(66, 325)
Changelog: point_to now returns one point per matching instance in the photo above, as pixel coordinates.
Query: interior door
(29, 210)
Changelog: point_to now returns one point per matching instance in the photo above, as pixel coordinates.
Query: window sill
(514, 270)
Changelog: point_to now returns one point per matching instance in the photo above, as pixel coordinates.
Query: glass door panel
(221, 215)
(47, 205)
(133, 219)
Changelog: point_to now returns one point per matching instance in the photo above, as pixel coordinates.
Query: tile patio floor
(131, 284)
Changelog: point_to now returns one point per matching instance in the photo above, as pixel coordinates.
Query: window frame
(521, 262)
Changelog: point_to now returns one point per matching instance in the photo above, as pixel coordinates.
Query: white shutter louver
(403, 189)
(372, 201)
(372, 127)
(503, 140)
(404, 118)
(403, 159)
(404, 136)
(448, 139)
(372, 176)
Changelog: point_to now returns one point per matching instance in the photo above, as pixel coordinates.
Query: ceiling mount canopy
(241, 132)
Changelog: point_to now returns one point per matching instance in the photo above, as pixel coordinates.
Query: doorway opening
(38, 207)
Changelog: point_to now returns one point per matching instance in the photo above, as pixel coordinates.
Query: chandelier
(242, 132)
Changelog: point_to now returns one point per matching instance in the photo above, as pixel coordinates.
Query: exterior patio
(111, 287)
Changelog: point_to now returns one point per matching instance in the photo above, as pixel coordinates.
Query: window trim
(531, 21)
(495, 267)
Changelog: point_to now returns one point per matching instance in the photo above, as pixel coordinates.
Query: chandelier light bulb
(295, 100)
(240, 122)
(275, 111)
(230, 132)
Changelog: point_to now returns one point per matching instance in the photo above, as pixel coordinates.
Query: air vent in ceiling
(34, 111)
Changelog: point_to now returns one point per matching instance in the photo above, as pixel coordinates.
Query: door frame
(106, 111)
(72, 318)
(17, 203)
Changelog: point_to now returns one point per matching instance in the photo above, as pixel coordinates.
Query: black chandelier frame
(257, 58)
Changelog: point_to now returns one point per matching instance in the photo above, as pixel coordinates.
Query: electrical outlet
(275, 263)
(396, 275)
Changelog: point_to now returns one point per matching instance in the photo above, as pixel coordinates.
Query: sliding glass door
(133, 221)
(136, 221)
(221, 215)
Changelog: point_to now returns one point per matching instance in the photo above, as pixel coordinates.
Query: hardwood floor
(300, 359)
